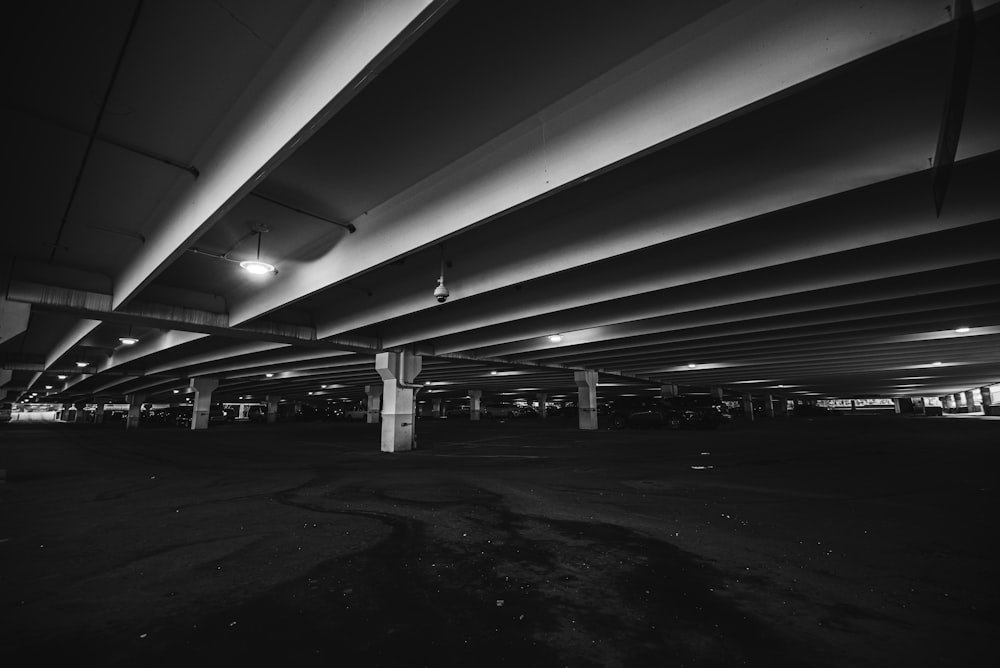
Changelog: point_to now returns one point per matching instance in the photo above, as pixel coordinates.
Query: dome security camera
(441, 292)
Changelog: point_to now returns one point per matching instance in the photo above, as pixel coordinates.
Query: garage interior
(402, 207)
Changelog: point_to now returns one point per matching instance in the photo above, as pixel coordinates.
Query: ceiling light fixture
(493, 373)
(692, 365)
(82, 364)
(128, 340)
(269, 375)
(256, 266)
(962, 330)
(555, 338)
(61, 377)
(936, 364)
(177, 391)
(48, 387)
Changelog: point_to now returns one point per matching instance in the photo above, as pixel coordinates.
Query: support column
(957, 398)
(436, 407)
(716, 392)
(475, 403)
(948, 403)
(896, 404)
(202, 387)
(542, 399)
(781, 407)
(668, 390)
(398, 370)
(272, 408)
(748, 406)
(586, 383)
(989, 408)
(970, 400)
(374, 404)
(134, 410)
(81, 411)
(99, 411)
(770, 405)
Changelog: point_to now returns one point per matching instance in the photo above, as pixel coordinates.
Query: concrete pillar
(272, 408)
(398, 370)
(542, 399)
(896, 405)
(668, 390)
(948, 403)
(99, 412)
(957, 398)
(970, 400)
(436, 407)
(748, 406)
(586, 383)
(203, 386)
(987, 398)
(374, 404)
(81, 411)
(134, 409)
(716, 392)
(475, 403)
(769, 407)
(781, 406)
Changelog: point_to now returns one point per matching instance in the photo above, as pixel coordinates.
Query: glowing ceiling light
(177, 391)
(962, 330)
(257, 267)
(48, 387)
(82, 364)
(555, 338)
(128, 340)
(493, 373)
(692, 365)
(269, 375)
(937, 364)
(61, 377)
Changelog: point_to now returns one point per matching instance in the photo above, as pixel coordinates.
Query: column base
(397, 432)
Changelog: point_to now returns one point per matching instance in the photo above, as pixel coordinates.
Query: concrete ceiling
(745, 187)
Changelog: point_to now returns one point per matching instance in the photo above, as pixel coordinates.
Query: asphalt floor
(842, 541)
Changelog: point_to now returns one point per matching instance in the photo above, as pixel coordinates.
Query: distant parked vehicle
(674, 412)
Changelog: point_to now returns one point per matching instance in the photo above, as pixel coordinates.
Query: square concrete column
(81, 411)
(398, 370)
(586, 383)
(374, 405)
(896, 405)
(542, 399)
(948, 403)
(987, 398)
(781, 406)
(436, 407)
(475, 403)
(957, 399)
(99, 412)
(770, 405)
(748, 406)
(272, 408)
(668, 390)
(134, 410)
(202, 387)
(716, 392)
(970, 400)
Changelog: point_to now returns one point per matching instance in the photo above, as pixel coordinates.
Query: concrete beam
(736, 57)
(321, 64)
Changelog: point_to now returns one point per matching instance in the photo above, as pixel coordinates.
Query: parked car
(711, 411)
(171, 416)
(674, 412)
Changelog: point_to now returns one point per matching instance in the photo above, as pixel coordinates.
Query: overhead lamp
(268, 375)
(555, 338)
(936, 364)
(692, 365)
(493, 373)
(256, 266)
(82, 364)
(177, 391)
(128, 340)
(48, 387)
(61, 377)
(962, 330)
